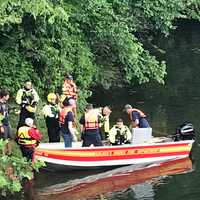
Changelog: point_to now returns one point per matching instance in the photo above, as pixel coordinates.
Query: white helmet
(29, 122)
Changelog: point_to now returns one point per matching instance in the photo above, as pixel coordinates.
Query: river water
(166, 106)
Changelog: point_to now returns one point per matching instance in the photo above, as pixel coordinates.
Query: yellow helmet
(51, 97)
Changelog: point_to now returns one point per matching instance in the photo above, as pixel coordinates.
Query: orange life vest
(63, 114)
(91, 120)
(69, 90)
(136, 110)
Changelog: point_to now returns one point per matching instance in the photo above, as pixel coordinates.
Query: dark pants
(7, 132)
(53, 129)
(23, 115)
(27, 152)
(92, 137)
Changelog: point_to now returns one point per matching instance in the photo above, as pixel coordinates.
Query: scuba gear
(119, 138)
(185, 132)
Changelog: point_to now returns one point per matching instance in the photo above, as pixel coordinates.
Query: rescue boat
(110, 156)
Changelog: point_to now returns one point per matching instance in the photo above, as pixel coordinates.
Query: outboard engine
(185, 132)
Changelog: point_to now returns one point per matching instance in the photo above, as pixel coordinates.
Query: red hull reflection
(95, 186)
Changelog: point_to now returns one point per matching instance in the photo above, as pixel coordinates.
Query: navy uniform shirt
(68, 118)
(143, 123)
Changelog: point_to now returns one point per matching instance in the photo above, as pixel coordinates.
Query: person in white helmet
(28, 137)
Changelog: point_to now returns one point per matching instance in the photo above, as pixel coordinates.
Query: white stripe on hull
(110, 162)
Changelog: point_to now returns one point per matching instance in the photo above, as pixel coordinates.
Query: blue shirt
(68, 118)
(143, 123)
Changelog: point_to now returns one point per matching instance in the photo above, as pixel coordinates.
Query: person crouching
(28, 137)
(119, 134)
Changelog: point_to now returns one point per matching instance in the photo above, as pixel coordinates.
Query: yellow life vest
(23, 136)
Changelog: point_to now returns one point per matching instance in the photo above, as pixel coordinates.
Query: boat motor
(185, 132)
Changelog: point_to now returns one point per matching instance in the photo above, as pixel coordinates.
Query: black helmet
(69, 77)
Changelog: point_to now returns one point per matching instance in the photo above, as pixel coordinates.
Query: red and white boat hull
(87, 157)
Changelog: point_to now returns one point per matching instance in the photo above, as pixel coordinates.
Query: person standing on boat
(28, 137)
(90, 127)
(28, 99)
(104, 113)
(119, 134)
(51, 113)
(66, 119)
(137, 117)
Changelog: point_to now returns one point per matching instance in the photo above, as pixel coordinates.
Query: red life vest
(136, 110)
(91, 120)
(70, 90)
(63, 114)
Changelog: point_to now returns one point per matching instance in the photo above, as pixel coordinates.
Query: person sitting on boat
(119, 134)
(28, 137)
(66, 119)
(137, 117)
(90, 127)
(104, 113)
(51, 112)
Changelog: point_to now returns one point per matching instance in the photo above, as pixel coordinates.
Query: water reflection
(115, 180)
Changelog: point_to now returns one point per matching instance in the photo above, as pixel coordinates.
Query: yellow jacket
(124, 131)
(104, 120)
(22, 93)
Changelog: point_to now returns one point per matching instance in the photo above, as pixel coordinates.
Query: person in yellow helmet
(27, 98)
(51, 114)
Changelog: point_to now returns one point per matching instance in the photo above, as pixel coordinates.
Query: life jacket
(28, 96)
(63, 114)
(91, 120)
(137, 110)
(69, 90)
(23, 136)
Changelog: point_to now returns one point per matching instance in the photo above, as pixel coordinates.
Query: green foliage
(98, 42)
(14, 168)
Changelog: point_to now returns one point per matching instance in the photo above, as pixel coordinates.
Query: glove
(24, 102)
(2, 130)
